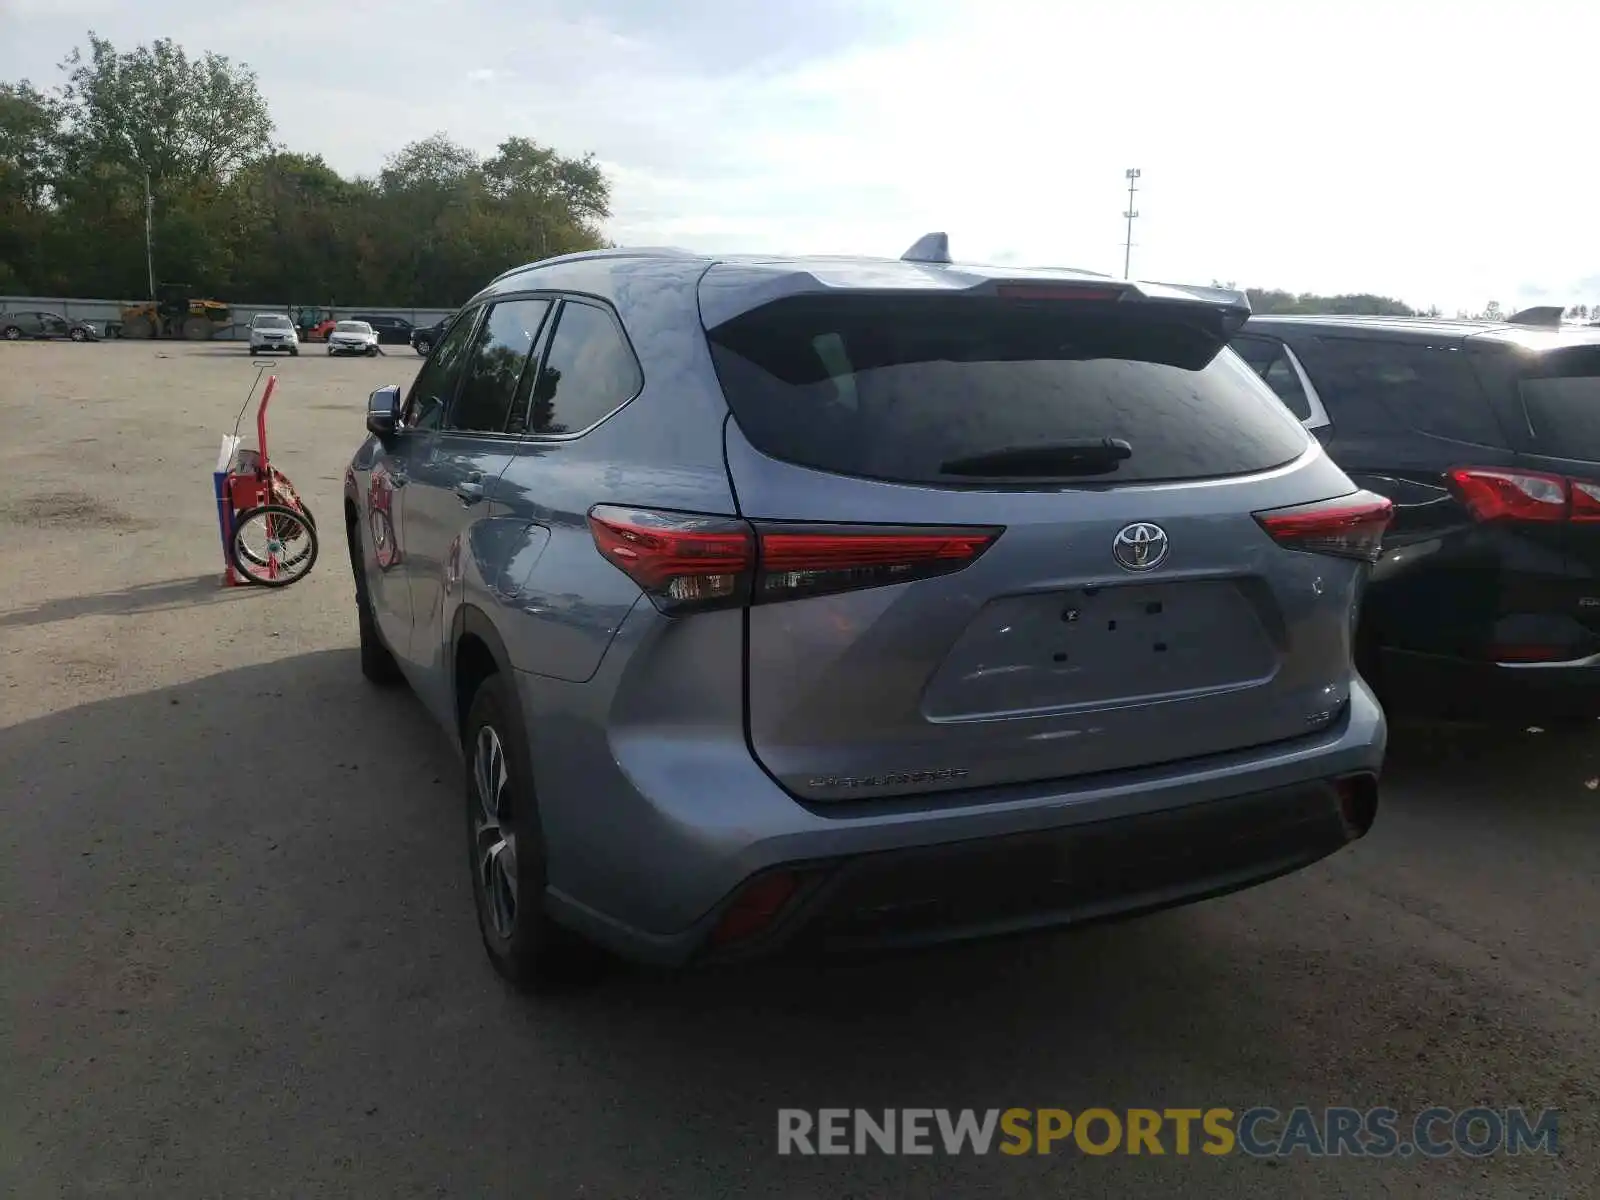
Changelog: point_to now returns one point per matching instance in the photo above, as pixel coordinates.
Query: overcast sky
(1440, 152)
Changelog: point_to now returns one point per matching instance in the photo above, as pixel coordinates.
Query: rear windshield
(1563, 405)
(903, 389)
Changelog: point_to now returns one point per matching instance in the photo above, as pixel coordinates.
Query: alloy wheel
(494, 840)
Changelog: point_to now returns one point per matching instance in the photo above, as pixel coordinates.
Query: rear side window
(1432, 389)
(1562, 400)
(905, 389)
(589, 372)
(1268, 359)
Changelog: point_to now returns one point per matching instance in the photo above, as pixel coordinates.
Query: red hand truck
(269, 536)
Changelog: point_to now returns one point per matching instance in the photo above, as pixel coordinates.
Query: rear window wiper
(1079, 456)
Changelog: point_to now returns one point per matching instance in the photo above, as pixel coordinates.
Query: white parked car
(273, 331)
(353, 337)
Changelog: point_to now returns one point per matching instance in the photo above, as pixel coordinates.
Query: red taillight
(1585, 501)
(680, 560)
(813, 561)
(1526, 652)
(688, 561)
(1494, 494)
(1349, 527)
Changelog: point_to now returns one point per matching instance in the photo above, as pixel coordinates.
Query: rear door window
(1561, 397)
(1432, 389)
(902, 389)
(495, 365)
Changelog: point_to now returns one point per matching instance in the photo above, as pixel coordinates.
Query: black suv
(424, 340)
(391, 331)
(1486, 603)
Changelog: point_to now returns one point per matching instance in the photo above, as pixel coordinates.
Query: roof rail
(607, 252)
(929, 248)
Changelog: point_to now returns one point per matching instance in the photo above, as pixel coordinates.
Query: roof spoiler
(1545, 314)
(1225, 297)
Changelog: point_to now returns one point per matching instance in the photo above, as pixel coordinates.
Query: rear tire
(505, 850)
(377, 662)
(13, 334)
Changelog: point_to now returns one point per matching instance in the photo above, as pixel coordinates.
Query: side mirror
(383, 411)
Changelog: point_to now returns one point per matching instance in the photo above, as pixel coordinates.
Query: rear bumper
(649, 846)
(1077, 874)
(1437, 686)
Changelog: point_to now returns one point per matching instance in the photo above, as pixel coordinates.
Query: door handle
(470, 489)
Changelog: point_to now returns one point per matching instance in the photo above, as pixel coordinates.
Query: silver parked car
(844, 603)
(353, 337)
(273, 331)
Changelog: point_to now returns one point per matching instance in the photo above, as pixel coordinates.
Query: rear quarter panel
(557, 602)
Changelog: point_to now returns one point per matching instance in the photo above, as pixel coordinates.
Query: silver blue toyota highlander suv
(845, 603)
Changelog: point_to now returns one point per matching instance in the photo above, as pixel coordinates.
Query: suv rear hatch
(1547, 393)
(1009, 535)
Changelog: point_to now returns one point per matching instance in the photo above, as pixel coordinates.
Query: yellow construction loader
(175, 314)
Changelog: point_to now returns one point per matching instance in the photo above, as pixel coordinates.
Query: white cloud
(1309, 145)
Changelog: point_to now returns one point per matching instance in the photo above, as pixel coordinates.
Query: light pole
(1132, 175)
(149, 253)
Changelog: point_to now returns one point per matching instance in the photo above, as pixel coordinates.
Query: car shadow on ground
(141, 598)
(1489, 758)
(241, 906)
(239, 350)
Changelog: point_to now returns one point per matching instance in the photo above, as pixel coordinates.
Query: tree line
(1364, 304)
(238, 216)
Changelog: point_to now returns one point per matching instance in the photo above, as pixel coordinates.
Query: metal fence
(103, 312)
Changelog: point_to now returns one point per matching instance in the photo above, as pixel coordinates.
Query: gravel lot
(238, 958)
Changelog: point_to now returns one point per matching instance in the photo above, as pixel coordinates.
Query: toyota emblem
(1140, 546)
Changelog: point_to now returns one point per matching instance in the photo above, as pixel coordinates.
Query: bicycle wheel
(274, 545)
(295, 544)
